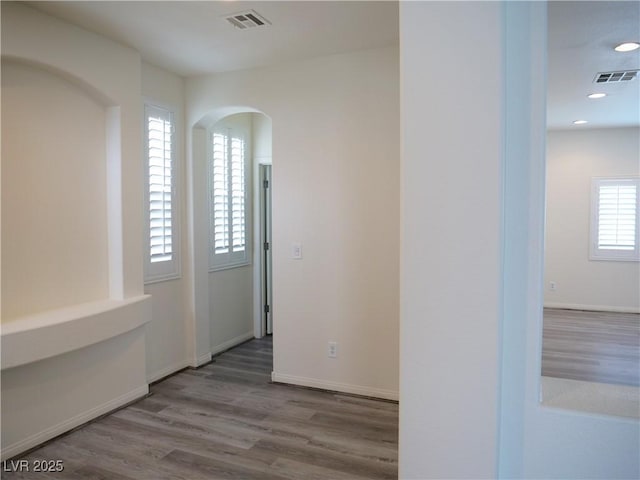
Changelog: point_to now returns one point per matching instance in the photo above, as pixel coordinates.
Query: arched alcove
(228, 301)
(55, 246)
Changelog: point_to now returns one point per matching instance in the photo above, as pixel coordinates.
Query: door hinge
(267, 309)
(265, 183)
(266, 245)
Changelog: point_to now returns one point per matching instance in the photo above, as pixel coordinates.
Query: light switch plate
(296, 251)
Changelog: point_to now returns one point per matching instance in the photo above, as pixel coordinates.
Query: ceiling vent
(615, 77)
(247, 19)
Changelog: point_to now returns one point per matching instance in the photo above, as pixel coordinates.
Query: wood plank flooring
(227, 421)
(591, 346)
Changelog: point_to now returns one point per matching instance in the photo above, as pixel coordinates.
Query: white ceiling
(192, 38)
(581, 40)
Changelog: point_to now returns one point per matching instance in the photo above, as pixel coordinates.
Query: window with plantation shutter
(161, 197)
(228, 206)
(614, 219)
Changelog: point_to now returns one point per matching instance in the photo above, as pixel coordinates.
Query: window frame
(606, 254)
(155, 272)
(229, 260)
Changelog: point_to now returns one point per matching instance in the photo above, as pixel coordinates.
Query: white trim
(165, 372)
(70, 328)
(73, 422)
(593, 308)
(335, 386)
(229, 266)
(201, 360)
(232, 343)
(162, 278)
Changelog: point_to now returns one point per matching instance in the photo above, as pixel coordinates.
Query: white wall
(43, 398)
(231, 307)
(472, 320)
(573, 159)
(166, 332)
(336, 187)
(451, 239)
(52, 234)
(262, 138)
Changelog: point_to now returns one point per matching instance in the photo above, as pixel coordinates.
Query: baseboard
(592, 308)
(165, 372)
(335, 386)
(201, 360)
(80, 419)
(232, 343)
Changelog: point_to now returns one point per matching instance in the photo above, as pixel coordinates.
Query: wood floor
(227, 421)
(591, 346)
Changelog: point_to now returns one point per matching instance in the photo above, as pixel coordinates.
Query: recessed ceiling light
(580, 122)
(597, 95)
(627, 47)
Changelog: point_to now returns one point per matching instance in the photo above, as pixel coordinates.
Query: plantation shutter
(162, 239)
(236, 161)
(617, 216)
(220, 200)
(228, 199)
(160, 139)
(614, 219)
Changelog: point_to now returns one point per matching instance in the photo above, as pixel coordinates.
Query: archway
(228, 275)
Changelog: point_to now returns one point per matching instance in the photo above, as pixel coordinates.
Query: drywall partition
(335, 137)
(573, 159)
(167, 329)
(199, 338)
(451, 239)
(72, 377)
(471, 352)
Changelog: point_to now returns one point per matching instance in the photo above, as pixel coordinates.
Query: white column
(452, 116)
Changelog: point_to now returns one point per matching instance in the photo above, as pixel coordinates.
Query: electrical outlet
(332, 350)
(296, 251)
(552, 286)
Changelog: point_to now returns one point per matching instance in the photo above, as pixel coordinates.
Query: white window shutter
(220, 195)
(162, 262)
(617, 217)
(228, 200)
(614, 219)
(238, 223)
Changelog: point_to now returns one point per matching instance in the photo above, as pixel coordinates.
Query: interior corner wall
(573, 159)
(336, 192)
(167, 330)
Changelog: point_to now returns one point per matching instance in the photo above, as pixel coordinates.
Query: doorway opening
(591, 317)
(266, 263)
